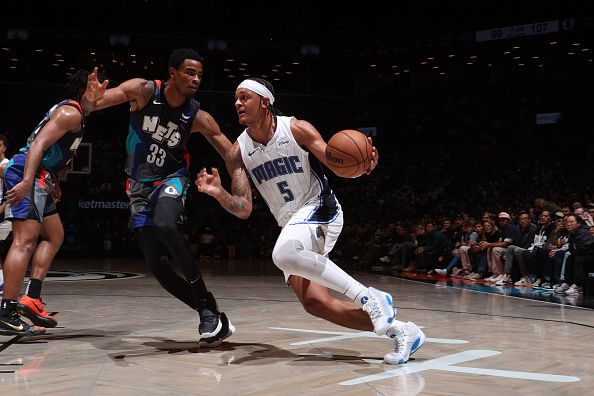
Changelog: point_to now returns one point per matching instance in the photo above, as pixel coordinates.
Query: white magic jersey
(288, 177)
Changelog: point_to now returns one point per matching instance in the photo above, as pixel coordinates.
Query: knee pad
(286, 255)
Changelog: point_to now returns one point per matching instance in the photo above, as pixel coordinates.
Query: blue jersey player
(31, 180)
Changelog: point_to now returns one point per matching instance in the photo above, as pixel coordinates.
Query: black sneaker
(210, 325)
(227, 329)
(13, 325)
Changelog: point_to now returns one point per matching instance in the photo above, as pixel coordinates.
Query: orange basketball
(348, 153)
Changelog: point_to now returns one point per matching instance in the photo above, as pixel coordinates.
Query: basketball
(348, 153)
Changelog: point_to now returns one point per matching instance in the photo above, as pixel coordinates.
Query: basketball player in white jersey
(5, 225)
(282, 156)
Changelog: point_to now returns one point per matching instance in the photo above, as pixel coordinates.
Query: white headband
(258, 88)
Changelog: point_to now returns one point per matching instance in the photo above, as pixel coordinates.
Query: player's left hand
(374, 157)
(208, 183)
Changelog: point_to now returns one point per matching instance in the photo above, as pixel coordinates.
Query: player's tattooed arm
(239, 202)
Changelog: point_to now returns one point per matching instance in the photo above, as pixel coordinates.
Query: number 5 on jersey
(285, 191)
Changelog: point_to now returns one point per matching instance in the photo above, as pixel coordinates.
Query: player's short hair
(4, 140)
(179, 55)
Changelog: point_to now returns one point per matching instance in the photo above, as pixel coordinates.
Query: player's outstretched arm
(137, 91)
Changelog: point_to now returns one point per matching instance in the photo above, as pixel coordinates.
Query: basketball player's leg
(26, 228)
(5, 230)
(52, 236)
(155, 254)
(30, 304)
(25, 234)
(318, 301)
(153, 219)
(297, 252)
(169, 199)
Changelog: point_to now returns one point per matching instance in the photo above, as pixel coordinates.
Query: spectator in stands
(581, 261)
(510, 233)
(428, 255)
(526, 232)
(531, 260)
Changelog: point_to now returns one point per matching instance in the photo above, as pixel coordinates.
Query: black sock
(7, 307)
(34, 288)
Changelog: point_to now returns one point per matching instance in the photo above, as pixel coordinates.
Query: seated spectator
(428, 255)
(510, 233)
(523, 241)
(490, 237)
(460, 253)
(531, 261)
(581, 260)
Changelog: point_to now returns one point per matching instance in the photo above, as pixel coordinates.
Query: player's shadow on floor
(251, 354)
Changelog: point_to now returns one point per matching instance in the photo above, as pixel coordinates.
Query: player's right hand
(208, 183)
(95, 90)
(18, 192)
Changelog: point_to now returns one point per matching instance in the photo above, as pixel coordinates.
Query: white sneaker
(574, 290)
(380, 309)
(407, 340)
(441, 272)
(491, 278)
(505, 280)
(561, 289)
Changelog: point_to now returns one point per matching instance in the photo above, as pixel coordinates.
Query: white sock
(332, 276)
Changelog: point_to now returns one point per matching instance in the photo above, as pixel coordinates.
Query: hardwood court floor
(126, 336)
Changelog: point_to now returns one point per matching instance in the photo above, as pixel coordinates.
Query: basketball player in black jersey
(162, 117)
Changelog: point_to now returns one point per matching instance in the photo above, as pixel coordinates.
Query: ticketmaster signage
(82, 204)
